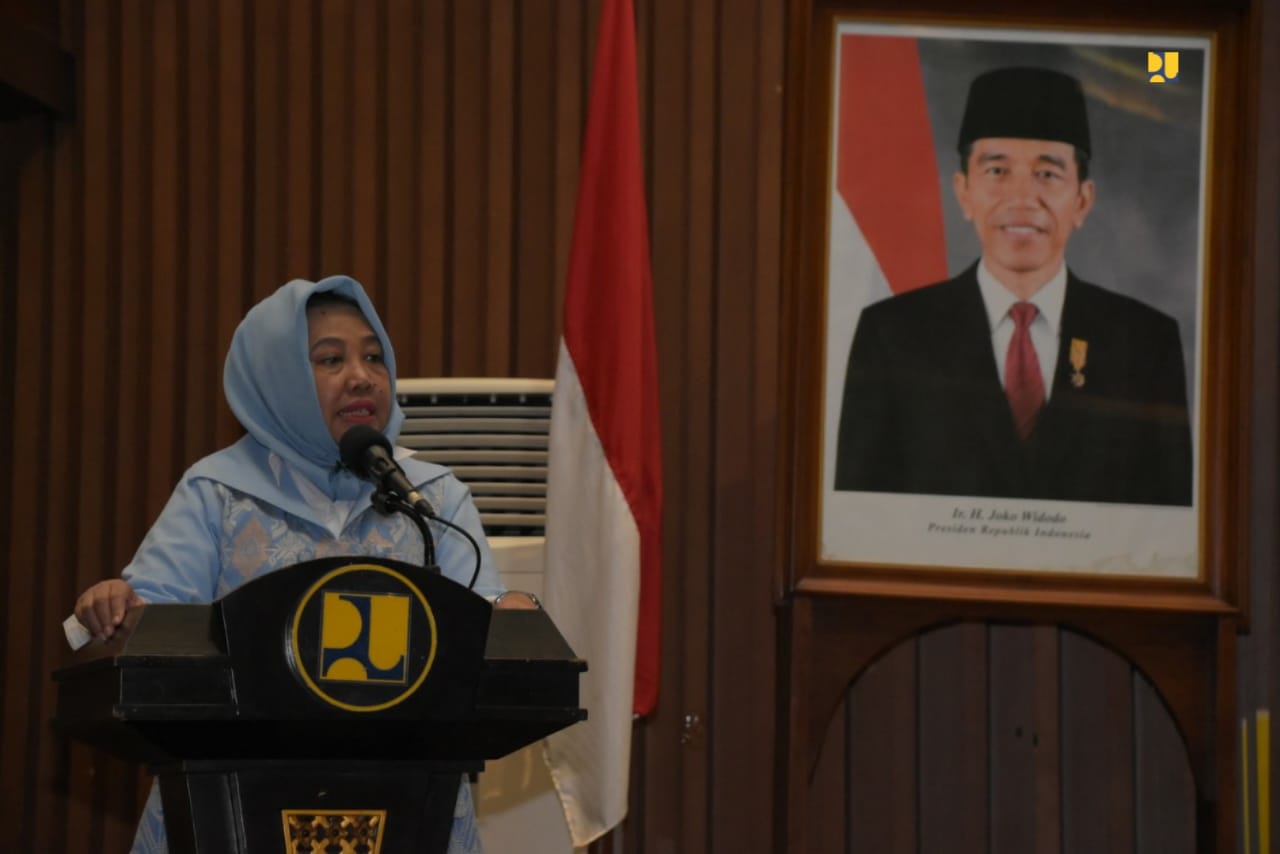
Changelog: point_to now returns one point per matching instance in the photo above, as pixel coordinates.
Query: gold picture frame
(1163, 232)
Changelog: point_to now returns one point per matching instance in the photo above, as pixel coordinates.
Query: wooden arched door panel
(995, 735)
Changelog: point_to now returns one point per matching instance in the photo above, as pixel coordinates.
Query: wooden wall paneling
(671, 155)
(24, 324)
(103, 265)
(678, 125)
(38, 16)
(953, 739)
(468, 195)
(829, 790)
(334, 124)
(435, 189)
(164, 393)
(1217, 818)
(1045, 642)
(856, 633)
(575, 40)
(300, 163)
(51, 813)
(266, 57)
(131, 310)
(504, 100)
(766, 81)
(1180, 655)
(10, 167)
(741, 618)
(97, 333)
(1259, 684)
(59, 550)
(690, 294)
(35, 68)
(1163, 783)
(1097, 755)
(674, 810)
(1053, 730)
(643, 22)
(199, 284)
(882, 756)
(10, 545)
(1024, 740)
(232, 280)
(95, 108)
(1227, 546)
(400, 173)
(10, 551)
(368, 128)
(130, 348)
(532, 312)
(793, 770)
(767, 62)
(574, 62)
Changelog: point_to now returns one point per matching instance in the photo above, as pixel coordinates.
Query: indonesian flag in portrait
(604, 483)
(887, 233)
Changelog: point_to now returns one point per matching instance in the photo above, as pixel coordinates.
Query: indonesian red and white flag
(604, 484)
(887, 234)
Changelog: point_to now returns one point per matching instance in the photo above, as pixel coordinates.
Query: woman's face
(352, 381)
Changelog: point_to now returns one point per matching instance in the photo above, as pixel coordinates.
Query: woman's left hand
(517, 600)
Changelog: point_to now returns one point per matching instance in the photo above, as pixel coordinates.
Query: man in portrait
(1016, 378)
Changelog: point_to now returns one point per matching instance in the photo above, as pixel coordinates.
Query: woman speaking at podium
(306, 364)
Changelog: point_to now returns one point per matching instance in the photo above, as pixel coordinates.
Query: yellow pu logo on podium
(1162, 67)
(364, 637)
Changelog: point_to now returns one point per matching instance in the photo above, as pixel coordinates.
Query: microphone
(367, 453)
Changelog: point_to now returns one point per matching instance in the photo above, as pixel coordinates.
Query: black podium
(331, 706)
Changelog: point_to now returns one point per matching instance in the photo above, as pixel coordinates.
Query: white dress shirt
(1046, 329)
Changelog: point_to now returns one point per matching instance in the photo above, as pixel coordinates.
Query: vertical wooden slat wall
(975, 738)
(1259, 686)
(430, 148)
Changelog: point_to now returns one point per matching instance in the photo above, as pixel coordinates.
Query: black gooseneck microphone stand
(387, 503)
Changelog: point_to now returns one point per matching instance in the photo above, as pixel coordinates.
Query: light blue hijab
(270, 386)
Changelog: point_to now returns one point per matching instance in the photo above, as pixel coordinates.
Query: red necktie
(1023, 382)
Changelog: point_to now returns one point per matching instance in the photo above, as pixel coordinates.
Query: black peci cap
(1026, 103)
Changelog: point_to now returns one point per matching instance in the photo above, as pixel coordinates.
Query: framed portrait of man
(1012, 371)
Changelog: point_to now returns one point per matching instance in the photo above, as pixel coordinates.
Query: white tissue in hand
(77, 634)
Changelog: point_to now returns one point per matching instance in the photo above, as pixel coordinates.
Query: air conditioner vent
(493, 433)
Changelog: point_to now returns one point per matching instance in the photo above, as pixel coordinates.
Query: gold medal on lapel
(1079, 355)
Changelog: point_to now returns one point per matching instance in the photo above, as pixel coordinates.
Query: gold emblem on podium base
(341, 831)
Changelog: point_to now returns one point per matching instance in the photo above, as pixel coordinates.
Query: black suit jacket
(924, 410)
